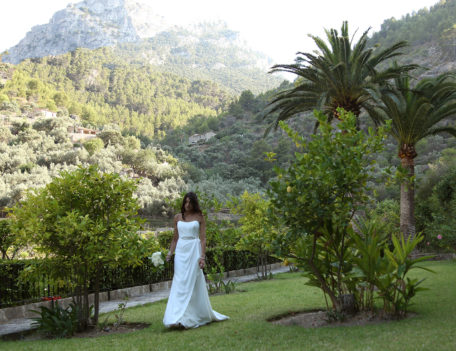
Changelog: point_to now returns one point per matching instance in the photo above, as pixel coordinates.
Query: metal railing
(14, 293)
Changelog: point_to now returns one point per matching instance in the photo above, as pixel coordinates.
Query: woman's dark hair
(193, 201)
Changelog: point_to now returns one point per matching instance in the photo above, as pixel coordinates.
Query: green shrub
(317, 196)
(384, 270)
(56, 321)
(436, 209)
(164, 239)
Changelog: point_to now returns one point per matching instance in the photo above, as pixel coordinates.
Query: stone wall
(25, 311)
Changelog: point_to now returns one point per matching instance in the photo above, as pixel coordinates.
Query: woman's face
(188, 205)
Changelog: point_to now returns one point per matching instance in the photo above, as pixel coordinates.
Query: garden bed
(320, 318)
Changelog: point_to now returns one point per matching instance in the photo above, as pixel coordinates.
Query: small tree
(317, 197)
(258, 228)
(8, 243)
(93, 145)
(81, 222)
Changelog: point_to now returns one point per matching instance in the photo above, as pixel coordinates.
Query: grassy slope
(432, 329)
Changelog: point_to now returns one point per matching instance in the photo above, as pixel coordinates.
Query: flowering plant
(50, 298)
(157, 259)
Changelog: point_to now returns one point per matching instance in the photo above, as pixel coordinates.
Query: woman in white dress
(188, 303)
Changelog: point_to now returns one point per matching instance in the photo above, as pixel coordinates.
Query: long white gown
(188, 303)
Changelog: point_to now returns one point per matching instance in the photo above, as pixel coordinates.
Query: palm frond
(439, 130)
(340, 74)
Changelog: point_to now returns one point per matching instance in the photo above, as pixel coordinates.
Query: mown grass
(433, 328)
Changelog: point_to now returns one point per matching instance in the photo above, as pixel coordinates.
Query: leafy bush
(56, 321)
(436, 204)
(164, 239)
(317, 197)
(384, 270)
(394, 287)
(9, 245)
(85, 220)
(258, 228)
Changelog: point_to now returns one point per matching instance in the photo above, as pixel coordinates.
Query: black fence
(13, 293)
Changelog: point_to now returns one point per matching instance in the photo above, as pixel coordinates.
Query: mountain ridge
(139, 35)
(431, 34)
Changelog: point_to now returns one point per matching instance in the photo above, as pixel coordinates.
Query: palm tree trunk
(407, 221)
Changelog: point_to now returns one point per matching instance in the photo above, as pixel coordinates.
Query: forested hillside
(127, 94)
(208, 51)
(33, 151)
(234, 159)
(102, 89)
(431, 34)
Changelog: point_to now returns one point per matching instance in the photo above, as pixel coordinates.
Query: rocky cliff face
(90, 24)
(204, 51)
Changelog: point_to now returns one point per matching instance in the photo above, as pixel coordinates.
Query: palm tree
(415, 113)
(340, 75)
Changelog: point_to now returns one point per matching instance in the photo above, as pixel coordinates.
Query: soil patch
(319, 318)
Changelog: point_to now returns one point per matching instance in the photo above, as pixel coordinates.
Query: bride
(188, 303)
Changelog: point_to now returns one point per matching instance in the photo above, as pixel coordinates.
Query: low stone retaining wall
(25, 311)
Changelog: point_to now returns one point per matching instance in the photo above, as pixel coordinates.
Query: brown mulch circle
(319, 318)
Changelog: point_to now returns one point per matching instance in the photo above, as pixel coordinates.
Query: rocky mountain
(89, 24)
(208, 51)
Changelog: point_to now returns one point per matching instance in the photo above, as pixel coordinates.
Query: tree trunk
(97, 296)
(85, 313)
(407, 221)
(324, 286)
(318, 275)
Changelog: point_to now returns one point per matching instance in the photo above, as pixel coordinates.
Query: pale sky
(277, 28)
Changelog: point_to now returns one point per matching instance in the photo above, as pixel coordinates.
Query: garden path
(21, 325)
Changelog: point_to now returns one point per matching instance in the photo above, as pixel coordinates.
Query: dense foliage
(35, 151)
(436, 204)
(433, 24)
(317, 197)
(81, 222)
(102, 89)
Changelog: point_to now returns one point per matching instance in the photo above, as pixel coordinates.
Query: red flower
(50, 298)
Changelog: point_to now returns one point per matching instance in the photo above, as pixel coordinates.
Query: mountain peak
(90, 24)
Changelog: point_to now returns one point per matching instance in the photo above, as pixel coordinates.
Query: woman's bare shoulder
(178, 217)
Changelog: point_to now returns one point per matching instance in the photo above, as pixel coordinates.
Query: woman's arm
(174, 241)
(202, 260)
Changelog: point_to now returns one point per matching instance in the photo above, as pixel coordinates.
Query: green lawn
(434, 327)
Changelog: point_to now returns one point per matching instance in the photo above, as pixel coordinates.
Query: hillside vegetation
(431, 34)
(209, 51)
(102, 89)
